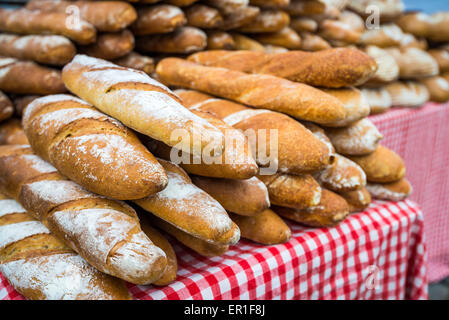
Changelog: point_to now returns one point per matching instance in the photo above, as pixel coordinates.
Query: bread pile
(89, 170)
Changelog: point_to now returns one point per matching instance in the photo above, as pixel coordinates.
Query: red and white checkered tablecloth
(376, 254)
(421, 137)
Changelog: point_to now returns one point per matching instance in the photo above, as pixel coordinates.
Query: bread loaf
(190, 209)
(333, 68)
(267, 21)
(313, 42)
(105, 16)
(386, 35)
(110, 46)
(298, 151)
(46, 49)
(379, 100)
(387, 67)
(270, 3)
(91, 148)
(265, 228)
(220, 40)
(134, 60)
(156, 111)
(259, 91)
(381, 166)
(11, 132)
(238, 17)
(41, 267)
(244, 197)
(24, 21)
(438, 88)
(441, 56)
(303, 24)
(331, 210)
(160, 18)
(245, 43)
(414, 63)
(204, 17)
(178, 3)
(106, 233)
(26, 77)
(358, 200)
(6, 107)
(286, 37)
(395, 191)
(408, 93)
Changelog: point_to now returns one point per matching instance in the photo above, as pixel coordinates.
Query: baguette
(359, 138)
(303, 24)
(414, 63)
(26, 77)
(286, 37)
(160, 18)
(244, 43)
(203, 17)
(156, 111)
(91, 148)
(244, 197)
(178, 3)
(110, 46)
(387, 10)
(274, 49)
(11, 132)
(106, 233)
(238, 17)
(183, 40)
(385, 36)
(105, 16)
(201, 247)
(395, 191)
(381, 166)
(358, 200)
(160, 241)
(6, 107)
(332, 210)
(336, 30)
(333, 68)
(267, 21)
(313, 42)
(438, 88)
(306, 8)
(293, 191)
(298, 151)
(265, 228)
(136, 61)
(441, 56)
(21, 102)
(270, 3)
(387, 67)
(379, 99)
(40, 267)
(46, 49)
(190, 209)
(410, 94)
(23, 21)
(259, 91)
(220, 40)
(228, 5)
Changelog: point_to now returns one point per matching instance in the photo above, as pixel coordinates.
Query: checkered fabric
(376, 254)
(421, 137)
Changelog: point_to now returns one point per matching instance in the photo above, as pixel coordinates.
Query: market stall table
(376, 254)
(421, 137)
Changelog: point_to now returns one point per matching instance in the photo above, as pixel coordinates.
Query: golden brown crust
(296, 99)
(438, 88)
(382, 166)
(441, 56)
(270, 3)
(358, 200)
(6, 107)
(204, 17)
(23, 21)
(265, 228)
(395, 191)
(245, 43)
(136, 61)
(303, 24)
(332, 210)
(339, 31)
(267, 21)
(11, 132)
(286, 37)
(105, 16)
(408, 93)
(178, 3)
(379, 99)
(110, 46)
(313, 42)
(74, 135)
(414, 63)
(245, 197)
(334, 68)
(220, 40)
(26, 77)
(160, 18)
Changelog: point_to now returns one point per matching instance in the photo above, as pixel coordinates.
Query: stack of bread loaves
(263, 136)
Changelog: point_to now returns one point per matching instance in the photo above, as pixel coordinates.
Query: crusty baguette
(298, 151)
(359, 138)
(91, 148)
(110, 46)
(244, 197)
(270, 3)
(198, 245)
(160, 241)
(256, 90)
(137, 61)
(41, 267)
(46, 49)
(11, 132)
(104, 232)
(306, 8)
(266, 227)
(6, 107)
(238, 17)
(395, 191)
(303, 24)
(178, 3)
(414, 63)
(293, 191)
(23, 21)
(336, 30)
(21, 102)
(267, 21)
(331, 210)
(204, 17)
(381, 166)
(358, 200)
(438, 88)
(190, 209)
(105, 16)
(156, 111)
(333, 68)
(313, 42)
(245, 43)
(379, 99)
(228, 5)
(386, 35)
(183, 40)
(441, 56)
(160, 18)
(26, 77)
(236, 161)
(286, 37)
(411, 94)
(220, 40)
(387, 67)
